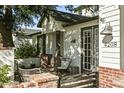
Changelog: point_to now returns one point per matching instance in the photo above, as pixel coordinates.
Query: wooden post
(97, 79)
(58, 41)
(59, 82)
(44, 43)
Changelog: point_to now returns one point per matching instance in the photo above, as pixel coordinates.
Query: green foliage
(4, 70)
(69, 8)
(26, 50)
(24, 14)
(13, 17)
(79, 8)
(92, 8)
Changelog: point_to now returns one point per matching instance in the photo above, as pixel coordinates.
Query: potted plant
(26, 55)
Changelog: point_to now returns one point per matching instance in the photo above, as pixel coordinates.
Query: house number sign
(111, 44)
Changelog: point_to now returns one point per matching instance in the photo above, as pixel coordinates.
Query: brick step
(79, 81)
(91, 85)
(75, 78)
(82, 83)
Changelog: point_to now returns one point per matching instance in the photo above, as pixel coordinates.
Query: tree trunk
(6, 28)
(7, 37)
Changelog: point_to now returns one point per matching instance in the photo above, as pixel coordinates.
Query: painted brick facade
(45, 80)
(52, 84)
(109, 77)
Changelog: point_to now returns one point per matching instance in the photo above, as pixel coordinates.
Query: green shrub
(25, 50)
(4, 71)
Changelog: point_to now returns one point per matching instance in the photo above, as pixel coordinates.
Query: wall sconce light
(73, 40)
(102, 20)
(107, 30)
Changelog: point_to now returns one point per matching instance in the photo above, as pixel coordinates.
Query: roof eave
(81, 21)
(34, 34)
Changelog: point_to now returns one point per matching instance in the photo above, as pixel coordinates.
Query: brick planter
(109, 77)
(45, 80)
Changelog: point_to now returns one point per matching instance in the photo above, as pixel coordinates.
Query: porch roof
(29, 32)
(68, 18)
(82, 21)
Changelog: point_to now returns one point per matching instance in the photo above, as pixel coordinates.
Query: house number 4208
(111, 44)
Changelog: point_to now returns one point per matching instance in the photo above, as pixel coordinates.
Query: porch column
(58, 41)
(44, 44)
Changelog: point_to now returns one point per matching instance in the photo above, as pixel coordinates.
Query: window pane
(85, 46)
(88, 46)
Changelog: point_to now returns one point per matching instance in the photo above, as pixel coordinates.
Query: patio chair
(64, 68)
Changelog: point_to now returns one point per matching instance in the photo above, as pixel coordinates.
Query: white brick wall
(7, 57)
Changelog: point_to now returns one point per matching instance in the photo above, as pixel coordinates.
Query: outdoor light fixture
(107, 30)
(73, 41)
(102, 20)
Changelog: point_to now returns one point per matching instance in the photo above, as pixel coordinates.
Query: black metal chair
(65, 64)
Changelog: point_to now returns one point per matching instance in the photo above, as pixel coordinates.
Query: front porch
(47, 79)
(82, 47)
(54, 49)
(70, 52)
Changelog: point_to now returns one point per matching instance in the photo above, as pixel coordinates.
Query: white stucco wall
(52, 25)
(110, 55)
(73, 50)
(50, 43)
(50, 28)
(18, 41)
(7, 57)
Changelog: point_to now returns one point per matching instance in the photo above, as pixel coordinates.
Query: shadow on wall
(72, 49)
(7, 57)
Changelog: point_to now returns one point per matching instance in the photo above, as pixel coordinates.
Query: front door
(90, 48)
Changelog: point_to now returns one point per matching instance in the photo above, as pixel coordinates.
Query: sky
(62, 8)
